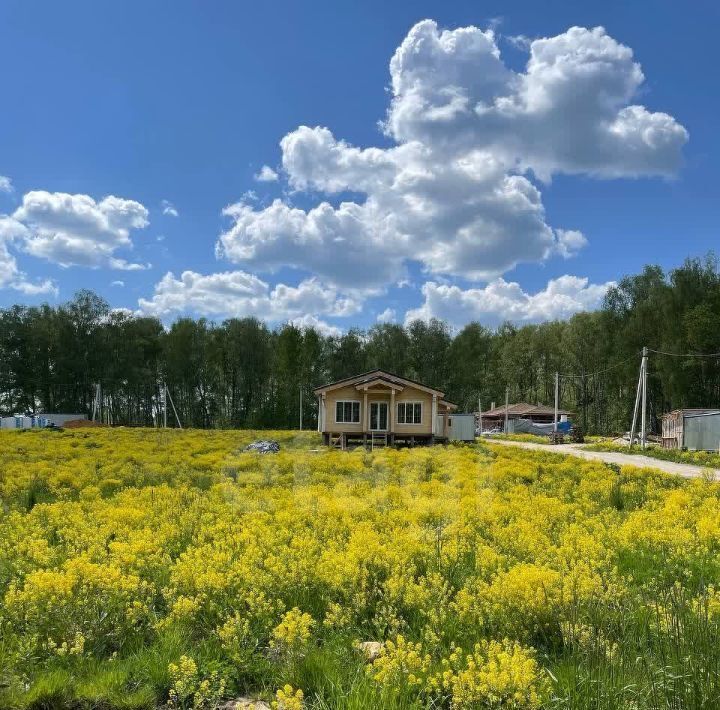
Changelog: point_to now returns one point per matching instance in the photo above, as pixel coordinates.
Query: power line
(663, 352)
(571, 375)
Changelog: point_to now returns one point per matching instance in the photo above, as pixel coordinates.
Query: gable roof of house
(377, 375)
(523, 409)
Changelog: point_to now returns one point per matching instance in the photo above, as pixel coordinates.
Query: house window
(347, 412)
(409, 413)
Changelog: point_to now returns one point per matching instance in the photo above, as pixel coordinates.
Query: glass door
(378, 416)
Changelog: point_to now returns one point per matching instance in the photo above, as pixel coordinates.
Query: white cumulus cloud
(502, 300)
(169, 209)
(570, 110)
(11, 276)
(387, 316)
(324, 328)
(569, 242)
(266, 174)
(5, 184)
(457, 194)
(75, 230)
(238, 294)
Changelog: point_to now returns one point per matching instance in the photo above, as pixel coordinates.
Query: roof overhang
(379, 382)
(381, 377)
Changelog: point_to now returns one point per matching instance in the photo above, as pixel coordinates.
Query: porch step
(378, 440)
(339, 442)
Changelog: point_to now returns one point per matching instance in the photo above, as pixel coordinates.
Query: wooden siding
(377, 394)
(410, 394)
(348, 393)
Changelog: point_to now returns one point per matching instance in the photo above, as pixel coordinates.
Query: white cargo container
(38, 421)
(59, 419)
(461, 427)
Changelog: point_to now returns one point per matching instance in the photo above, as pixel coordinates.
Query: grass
(697, 458)
(527, 438)
(159, 546)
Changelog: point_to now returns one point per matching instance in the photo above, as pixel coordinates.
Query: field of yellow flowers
(164, 568)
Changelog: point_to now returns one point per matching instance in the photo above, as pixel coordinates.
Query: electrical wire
(571, 375)
(663, 352)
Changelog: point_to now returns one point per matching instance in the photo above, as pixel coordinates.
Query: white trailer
(461, 427)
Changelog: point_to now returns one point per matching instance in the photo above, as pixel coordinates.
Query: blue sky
(492, 191)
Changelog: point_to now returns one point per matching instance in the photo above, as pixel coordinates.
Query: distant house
(380, 408)
(37, 421)
(692, 429)
(536, 413)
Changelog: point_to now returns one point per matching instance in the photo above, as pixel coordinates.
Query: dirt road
(680, 469)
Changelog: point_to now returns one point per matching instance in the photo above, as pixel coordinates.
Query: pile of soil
(80, 423)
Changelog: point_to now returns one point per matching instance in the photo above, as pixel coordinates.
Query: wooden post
(366, 414)
(391, 413)
(433, 416)
(507, 404)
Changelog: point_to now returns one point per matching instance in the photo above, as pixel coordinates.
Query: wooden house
(379, 408)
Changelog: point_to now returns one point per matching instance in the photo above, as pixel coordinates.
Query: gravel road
(685, 470)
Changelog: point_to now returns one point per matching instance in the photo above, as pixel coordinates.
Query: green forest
(242, 373)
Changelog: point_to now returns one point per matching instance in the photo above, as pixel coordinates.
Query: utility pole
(636, 407)
(557, 400)
(507, 405)
(640, 402)
(480, 415)
(164, 403)
(301, 417)
(172, 404)
(96, 402)
(643, 438)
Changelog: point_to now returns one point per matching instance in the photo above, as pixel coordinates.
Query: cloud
(10, 275)
(117, 283)
(387, 316)
(570, 111)
(465, 217)
(34, 288)
(457, 193)
(308, 321)
(334, 244)
(266, 174)
(120, 311)
(169, 209)
(502, 301)
(569, 242)
(238, 294)
(75, 230)
(6, 184)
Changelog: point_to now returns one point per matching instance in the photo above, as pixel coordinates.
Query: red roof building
(537, 413)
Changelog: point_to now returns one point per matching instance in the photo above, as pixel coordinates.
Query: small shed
(461, 427)
(692, 429)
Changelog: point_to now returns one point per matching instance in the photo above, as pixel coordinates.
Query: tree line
(242, 373)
